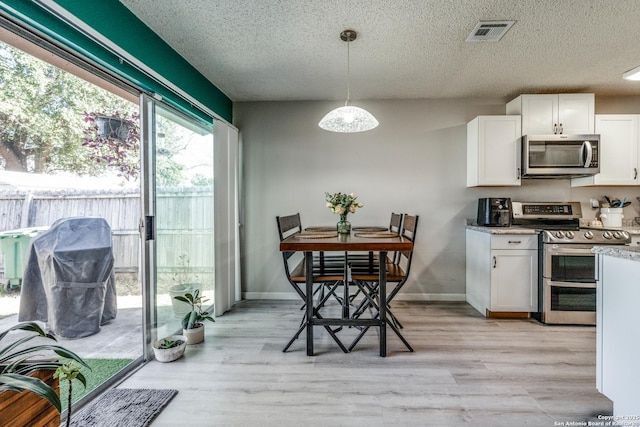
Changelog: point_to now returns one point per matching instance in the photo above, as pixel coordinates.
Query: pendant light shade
(349, 118)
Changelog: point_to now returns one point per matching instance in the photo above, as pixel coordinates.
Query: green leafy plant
(68, 372)
(166, 344)
(342, 203)
(196, 315)
(17, 363)
(114, 140)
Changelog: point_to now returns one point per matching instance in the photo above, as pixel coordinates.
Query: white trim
(430, 297)
(123, 55)
(271, 295)
(400, 297)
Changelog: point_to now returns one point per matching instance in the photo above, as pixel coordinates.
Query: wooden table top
(346, 243)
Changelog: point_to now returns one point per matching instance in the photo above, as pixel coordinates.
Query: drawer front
(514, 241)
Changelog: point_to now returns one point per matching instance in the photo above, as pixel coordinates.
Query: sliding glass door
(179, 215)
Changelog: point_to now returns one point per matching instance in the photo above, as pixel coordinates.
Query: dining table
(354, 242)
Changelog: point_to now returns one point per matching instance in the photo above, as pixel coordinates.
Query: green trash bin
(13, 246)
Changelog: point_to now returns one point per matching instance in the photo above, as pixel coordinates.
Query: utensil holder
(611, 217)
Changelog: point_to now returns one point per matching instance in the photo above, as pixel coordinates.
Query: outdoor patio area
(121, 338)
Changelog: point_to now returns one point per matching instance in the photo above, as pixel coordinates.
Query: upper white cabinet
(571, 113)
(493, 151)
(619, 151)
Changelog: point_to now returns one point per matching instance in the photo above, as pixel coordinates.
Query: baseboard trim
(399, 297)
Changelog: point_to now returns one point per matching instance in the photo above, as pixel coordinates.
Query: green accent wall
(114, 21)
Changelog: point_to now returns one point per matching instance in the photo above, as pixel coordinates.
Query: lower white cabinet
(617, 337)
(502, 272)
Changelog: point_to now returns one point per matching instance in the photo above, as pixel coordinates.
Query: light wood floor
(466, 371)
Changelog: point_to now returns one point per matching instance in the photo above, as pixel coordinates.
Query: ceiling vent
(489, 31)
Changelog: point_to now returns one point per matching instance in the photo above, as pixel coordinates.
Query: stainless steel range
(567, 268)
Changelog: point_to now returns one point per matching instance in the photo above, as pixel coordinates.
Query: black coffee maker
(495, 212)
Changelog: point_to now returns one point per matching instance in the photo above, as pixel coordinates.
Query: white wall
(414, 162)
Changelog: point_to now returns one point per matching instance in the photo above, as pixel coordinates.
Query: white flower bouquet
(342, 203)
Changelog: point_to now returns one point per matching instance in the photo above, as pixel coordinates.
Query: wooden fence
(184, 221)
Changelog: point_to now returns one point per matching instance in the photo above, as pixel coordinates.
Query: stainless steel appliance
(560, 156)
(567, 268)
(494, 212)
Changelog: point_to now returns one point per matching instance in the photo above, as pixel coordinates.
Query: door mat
(123, 407)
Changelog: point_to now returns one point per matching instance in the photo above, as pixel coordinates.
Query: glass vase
(344, 226)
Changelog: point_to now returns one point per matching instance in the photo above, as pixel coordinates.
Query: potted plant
(20, 372)
(193, 321)
(113, 140)
(68, 372)
(170, 348)
(185, 282)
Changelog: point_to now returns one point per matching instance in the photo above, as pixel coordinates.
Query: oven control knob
(559, 234)
(607, 235)
(570, 235)
(620, 235)
(588, 235)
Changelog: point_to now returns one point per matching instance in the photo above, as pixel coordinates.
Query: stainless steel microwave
(560, 156)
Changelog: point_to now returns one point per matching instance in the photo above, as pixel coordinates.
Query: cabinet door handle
(555, 128)
(635, 173)
(515, 242)
(494, 262)
(518, 174)
(560, 130)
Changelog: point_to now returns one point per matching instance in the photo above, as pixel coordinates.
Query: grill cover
(69, 280)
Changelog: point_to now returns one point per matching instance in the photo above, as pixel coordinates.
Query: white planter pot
(195, 335)
(170, 354)
(181, 308)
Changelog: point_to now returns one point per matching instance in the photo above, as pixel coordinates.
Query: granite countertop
(471, 224)
(624, 252)
(514, 229)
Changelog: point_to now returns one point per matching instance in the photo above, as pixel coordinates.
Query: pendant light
(349, 118)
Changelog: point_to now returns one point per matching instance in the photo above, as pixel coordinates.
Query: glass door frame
(147, 223)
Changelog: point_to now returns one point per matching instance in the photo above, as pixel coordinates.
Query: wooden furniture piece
(398, 266)
(291, 225)
(347, 244)
(28, 409)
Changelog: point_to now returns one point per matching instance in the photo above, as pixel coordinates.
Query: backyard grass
(101, 370)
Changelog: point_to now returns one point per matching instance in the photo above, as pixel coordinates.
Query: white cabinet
(619, 153)
(617, 338)
(502, 272)
(567, 113)
(493, 151)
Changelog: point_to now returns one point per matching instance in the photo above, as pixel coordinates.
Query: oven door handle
(571, 251)
(586, 285)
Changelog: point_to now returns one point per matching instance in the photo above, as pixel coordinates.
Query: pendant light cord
(348, 75)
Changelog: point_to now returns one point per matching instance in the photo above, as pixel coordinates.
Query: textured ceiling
(291, 50)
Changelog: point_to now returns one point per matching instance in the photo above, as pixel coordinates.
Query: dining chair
(294, 268)
(398, 267)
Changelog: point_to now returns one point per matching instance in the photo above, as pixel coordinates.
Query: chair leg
(404, 341)
(295, 337)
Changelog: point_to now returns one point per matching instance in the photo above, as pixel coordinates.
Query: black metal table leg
(382, 302)
(308, 260)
